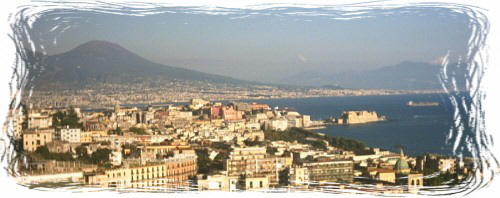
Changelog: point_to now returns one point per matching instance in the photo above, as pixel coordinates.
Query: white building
(299, 176)
(39, 120)
(115, 158)
(71, 135)
(278, 125)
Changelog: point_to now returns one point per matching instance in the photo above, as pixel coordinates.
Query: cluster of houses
(155, 148)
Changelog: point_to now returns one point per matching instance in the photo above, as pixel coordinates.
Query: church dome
(401, 165)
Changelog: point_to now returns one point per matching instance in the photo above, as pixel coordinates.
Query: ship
(421, 104)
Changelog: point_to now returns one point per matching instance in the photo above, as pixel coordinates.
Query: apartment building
(329, 169)
(34, 138)
(159, 175)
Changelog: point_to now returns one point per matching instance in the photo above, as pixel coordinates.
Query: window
(261, 185)
(251, 184)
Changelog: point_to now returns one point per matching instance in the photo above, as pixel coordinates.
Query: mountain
(403, 76)
(307, 78)
(105, 62)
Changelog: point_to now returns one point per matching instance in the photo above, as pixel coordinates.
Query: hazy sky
(268, 45)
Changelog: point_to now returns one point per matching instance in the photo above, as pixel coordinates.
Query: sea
(419, 130)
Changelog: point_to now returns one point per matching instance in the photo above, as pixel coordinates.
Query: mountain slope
(406, 76)
(403, 76)
(104, 62)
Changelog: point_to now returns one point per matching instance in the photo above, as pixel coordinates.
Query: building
(252, 161)
(197, 103)
(299, 176)
(415, 182)
(165, 174)
(401, 166)
(222, 182)
(306, 120)
(218, 182)
(34, 138)
(241, 106)
(216, 112)
(436, 163)
(387, 175)
(231, 114)
(115, 158)
(254, 182)
(39, 120)
(277, 124)
(161, 150)
(357, 117)
(258, 107)
(53, 167)
(71, 135)
(86, 137)
(58, 146)
(329, 169)
(17, 122)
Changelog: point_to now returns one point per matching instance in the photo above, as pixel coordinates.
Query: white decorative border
(481, 45)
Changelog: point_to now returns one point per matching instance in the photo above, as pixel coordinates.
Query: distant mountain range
(98, 62)
(403, 76)
(105, 62)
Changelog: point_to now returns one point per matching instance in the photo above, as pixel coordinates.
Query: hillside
(403, 76)
(104, 62)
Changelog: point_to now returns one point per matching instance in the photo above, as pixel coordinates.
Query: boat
(421, 104)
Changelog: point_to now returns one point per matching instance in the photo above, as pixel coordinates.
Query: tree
(314, 139)
(134, 152)
(57, 119)
(100, 156)
(117, 131)
(204, 162)
(24, 124)
(81, 152)
(284, 177)
(43, 151)
(70, 118)
(139, 131)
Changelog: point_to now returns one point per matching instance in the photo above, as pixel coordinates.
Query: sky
(267, 45)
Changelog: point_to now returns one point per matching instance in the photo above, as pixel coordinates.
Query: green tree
(24, 124)
(100, 156)
(81, 152)
(70, 119)
(314, 139)
(43, 151)
(117, 131)
(204, 162)
(57, 119)
(284, 177)
(139, 131)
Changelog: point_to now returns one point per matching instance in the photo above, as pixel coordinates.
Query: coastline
(162, 104)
